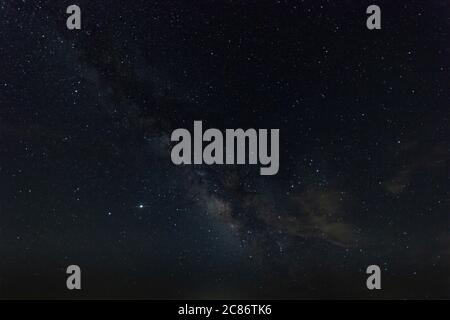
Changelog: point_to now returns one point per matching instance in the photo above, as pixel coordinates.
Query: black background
(85, 124)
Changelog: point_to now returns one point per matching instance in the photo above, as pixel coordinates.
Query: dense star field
(86, 177)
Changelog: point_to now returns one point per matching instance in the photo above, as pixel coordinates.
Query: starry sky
(85, 170)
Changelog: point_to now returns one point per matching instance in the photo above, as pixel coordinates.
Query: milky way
(85, 169)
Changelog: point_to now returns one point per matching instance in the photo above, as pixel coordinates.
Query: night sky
(86, 176)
